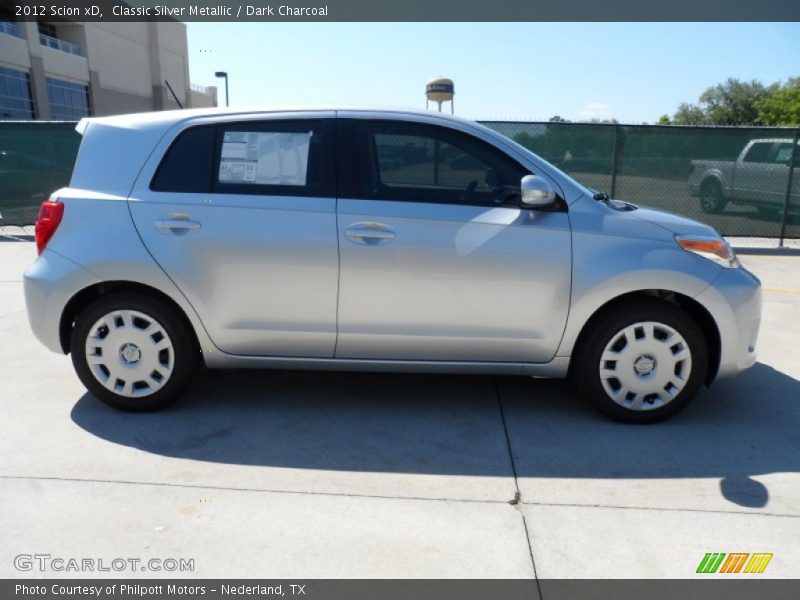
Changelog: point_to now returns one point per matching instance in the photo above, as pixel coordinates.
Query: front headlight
(713, 248)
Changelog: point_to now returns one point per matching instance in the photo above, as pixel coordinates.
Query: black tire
(712, 199)
(181, 357)
(585, 368)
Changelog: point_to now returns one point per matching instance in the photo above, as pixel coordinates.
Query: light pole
(225, 75)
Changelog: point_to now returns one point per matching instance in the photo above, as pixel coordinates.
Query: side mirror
(537, 192)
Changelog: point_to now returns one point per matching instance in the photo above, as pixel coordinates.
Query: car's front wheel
(712, 199)
(132, 351)
(642, 363)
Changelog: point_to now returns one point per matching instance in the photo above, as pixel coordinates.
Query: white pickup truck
(758, 177)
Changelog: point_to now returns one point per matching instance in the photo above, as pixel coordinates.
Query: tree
(597, 121)
(558, 119)
(781, 107)
(690, 114)
(664, 120)
(734, 102)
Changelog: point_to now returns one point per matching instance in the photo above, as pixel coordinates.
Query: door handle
(177, 222)
(369, 233)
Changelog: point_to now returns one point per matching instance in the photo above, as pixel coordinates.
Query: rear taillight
(47, 222)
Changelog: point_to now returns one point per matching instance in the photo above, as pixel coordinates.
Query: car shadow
(436, 424)
(738, 429)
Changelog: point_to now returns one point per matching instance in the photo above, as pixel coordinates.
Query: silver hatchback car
(380, 240)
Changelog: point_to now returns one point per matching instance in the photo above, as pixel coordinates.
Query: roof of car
(173, 116)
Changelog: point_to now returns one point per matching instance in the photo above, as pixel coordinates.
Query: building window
(7, 24)
(68, 101)
(48, 36)
(47, 29)
(15, 95)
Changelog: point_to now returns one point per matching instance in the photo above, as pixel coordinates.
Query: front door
(434, 264)
(763, 174)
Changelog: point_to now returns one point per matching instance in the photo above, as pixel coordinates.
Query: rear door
(434, 266)
(241, 215)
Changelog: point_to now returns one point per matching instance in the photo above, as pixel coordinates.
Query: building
(65, 70)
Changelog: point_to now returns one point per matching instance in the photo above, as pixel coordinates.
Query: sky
(633, 72)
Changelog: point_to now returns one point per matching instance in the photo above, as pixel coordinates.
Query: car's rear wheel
(642, 363)
(133, 352)
(712, 200)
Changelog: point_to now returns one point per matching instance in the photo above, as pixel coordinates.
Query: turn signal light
(714, 249)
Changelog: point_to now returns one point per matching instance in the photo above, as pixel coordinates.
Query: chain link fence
(736, 179)
(36, 158)
(739, 180)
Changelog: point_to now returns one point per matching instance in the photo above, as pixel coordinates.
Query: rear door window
(274, 158)
(285, 158)
(188, 162)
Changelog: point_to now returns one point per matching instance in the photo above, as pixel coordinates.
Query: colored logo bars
(735, 562)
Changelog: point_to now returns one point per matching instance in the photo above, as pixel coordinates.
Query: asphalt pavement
(291, 474)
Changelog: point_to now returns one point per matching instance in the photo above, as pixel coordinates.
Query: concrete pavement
(290, 474)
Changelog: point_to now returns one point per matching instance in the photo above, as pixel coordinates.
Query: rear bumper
(49, 284)
(734, 300)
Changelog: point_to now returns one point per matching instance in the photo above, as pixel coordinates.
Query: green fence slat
(651, 168)
(36, 158)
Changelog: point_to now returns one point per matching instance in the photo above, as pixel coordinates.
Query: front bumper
(734, 301)
(50, 283)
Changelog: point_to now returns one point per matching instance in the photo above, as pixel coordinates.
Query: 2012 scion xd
(378, 240)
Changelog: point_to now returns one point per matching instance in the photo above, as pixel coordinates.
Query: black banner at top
(403, 10)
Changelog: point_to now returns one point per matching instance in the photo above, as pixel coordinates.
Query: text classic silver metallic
(381, 240)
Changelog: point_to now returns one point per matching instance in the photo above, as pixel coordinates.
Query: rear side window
(279, 158)
(188, 163)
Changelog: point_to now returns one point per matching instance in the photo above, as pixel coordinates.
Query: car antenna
(171, 91)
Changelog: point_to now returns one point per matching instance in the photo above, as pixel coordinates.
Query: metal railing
(196, 87)
(60, 45)
(10, 28)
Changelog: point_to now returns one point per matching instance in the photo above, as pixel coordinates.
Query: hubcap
(645, 365)
(130, 353)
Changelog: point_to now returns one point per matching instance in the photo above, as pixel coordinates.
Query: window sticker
(264, 158)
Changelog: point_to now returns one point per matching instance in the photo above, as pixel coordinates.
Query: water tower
(440, 89)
